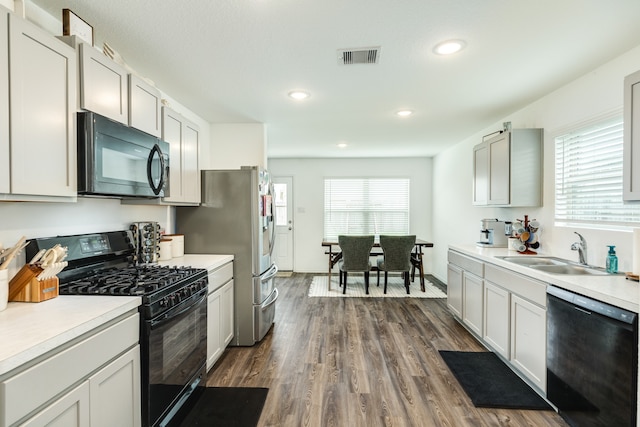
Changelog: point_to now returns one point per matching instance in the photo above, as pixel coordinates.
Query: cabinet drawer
(26, 391)
(523, 286)
(220, 276)
(467, 263)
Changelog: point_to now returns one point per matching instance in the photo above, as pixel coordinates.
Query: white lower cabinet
(95, 382)
(454, 289)
(496, 318)
(117, 386)
(214, 343)
(220, 312)
(71, 410)
(472, 292)
(528, 340)
(504, 309)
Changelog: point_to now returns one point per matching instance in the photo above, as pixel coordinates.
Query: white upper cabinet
(631, 175)
(184, 177)
(103, 85)
(507, 169)
(480, 174)
(144, 106)
(5, 161)
(38, 160)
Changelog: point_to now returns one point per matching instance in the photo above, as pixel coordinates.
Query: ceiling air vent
(365, 55)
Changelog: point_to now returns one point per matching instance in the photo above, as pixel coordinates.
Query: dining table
(335, 255)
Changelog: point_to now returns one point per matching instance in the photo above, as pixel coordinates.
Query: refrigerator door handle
(269, 273)
(272, 242)
(271, 300)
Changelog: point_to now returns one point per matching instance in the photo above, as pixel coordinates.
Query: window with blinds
(589, 177)
(365, 206)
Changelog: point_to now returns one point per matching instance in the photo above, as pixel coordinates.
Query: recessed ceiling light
(298, 94)
(448, 47)
(404, 113)
(342, 145)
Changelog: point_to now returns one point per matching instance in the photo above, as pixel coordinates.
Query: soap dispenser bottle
(612, 260)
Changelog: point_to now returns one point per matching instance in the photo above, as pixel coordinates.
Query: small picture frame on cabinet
(73, 25)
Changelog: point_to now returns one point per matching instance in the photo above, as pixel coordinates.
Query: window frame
(367, 210)
(594, 223)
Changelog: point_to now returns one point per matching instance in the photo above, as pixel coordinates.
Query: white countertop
(29, 330)
(208, 261)
(614, 289)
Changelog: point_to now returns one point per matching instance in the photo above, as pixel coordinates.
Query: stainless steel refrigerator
(236, 217)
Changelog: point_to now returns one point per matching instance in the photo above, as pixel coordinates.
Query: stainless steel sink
(534, 260)
(571, 269)
(555, 265)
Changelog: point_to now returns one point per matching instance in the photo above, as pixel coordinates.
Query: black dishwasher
(592, 360)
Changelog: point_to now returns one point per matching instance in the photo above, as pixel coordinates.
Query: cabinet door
(528, 340)
(496, 318)
(499, 169)
(4, 104)
(71, 410)
(43, 106)
(190, 172)
(172, 130)
(454, 289)
(226, 314)
(144, 106)
(103, 85)
(183, 138)
(472, 302)
(480, 174)
(631, 175)
(214, 342)
(117, 385)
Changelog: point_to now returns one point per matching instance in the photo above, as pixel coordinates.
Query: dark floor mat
(490, 383)
(227, 406)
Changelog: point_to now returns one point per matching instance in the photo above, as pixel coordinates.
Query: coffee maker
(493, 233)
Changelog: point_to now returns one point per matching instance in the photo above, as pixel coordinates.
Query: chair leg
(366, 282)
(378, 282)
(344, 290)
(340, 272)
(406, 280)
(386, 273)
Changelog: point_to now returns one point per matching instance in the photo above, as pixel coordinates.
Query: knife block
(25, 287)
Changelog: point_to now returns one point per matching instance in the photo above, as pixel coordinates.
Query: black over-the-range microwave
(115, 160)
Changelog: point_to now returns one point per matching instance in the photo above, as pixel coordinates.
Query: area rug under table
(490, 383)
(355, 288)
(227, 406)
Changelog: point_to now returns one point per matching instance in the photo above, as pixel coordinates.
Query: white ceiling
(234, 61)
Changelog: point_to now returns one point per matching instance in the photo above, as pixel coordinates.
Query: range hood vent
(365, 55)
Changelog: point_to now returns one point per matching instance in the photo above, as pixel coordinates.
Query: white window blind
(589, 176)
(365, 206)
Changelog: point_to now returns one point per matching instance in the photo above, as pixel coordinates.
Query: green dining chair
(355, 258)
(396, 258)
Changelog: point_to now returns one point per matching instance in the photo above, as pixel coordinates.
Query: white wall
(238, 144)
(308, 199)
(455, 220)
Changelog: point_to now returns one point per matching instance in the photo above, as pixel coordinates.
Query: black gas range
(173, 313)
(102, 263)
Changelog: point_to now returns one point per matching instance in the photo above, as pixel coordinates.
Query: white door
(283, 200)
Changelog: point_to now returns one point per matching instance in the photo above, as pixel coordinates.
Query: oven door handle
(170, 315)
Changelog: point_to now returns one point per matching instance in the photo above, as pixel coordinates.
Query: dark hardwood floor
(361, 362)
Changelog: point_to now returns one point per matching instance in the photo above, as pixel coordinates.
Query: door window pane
(281, 203)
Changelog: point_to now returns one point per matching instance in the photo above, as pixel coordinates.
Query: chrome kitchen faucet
(581, 247)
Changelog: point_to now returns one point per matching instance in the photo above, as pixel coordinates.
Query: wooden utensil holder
(25, 287)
